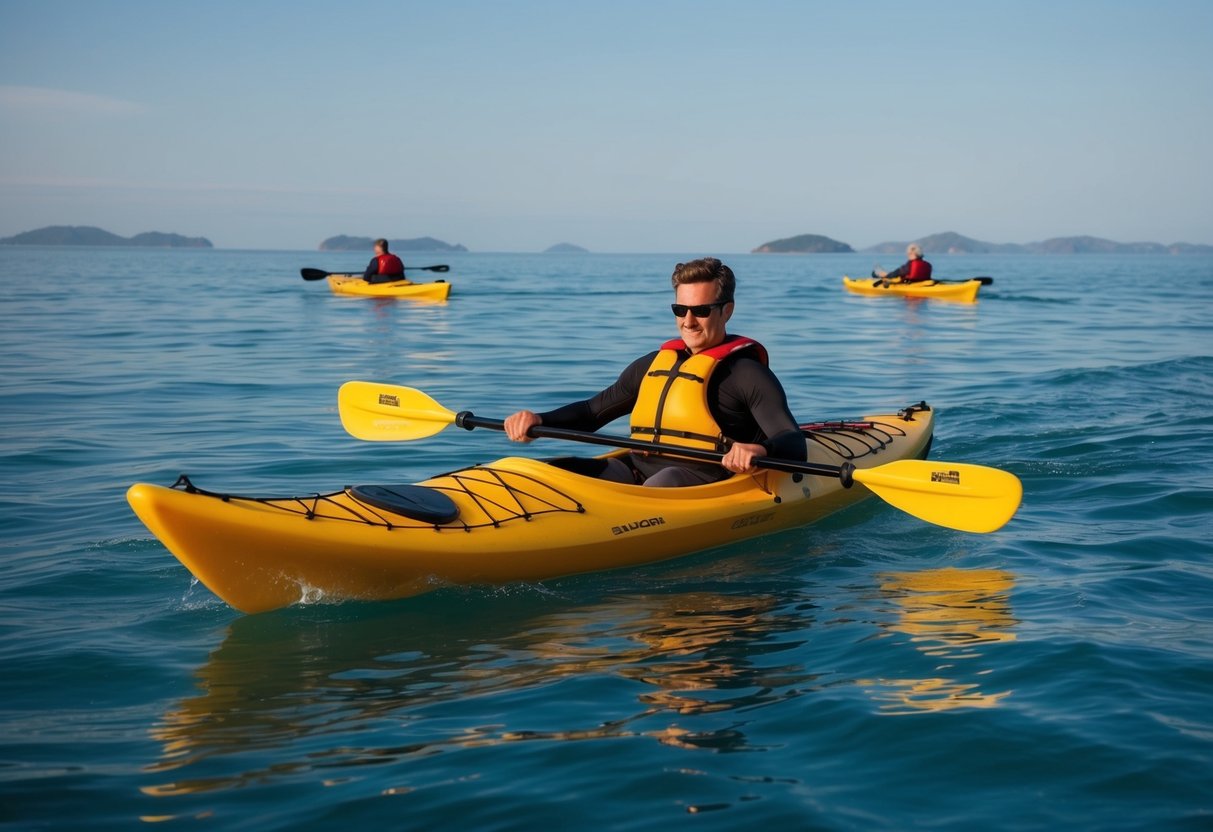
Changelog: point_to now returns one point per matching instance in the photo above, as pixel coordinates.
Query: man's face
(701, 333)
(378, 250)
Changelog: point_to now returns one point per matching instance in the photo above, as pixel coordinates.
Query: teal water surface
(868, 672)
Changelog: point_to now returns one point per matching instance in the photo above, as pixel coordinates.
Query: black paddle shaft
(468, 421)
(321, 274)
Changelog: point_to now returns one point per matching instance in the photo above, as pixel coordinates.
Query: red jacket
(391, 264)
(919, 270)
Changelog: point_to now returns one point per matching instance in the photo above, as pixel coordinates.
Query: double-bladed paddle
(320, 274)
(957, 495)
(984, 280)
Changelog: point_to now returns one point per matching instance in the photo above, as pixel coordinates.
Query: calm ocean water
(868, 672)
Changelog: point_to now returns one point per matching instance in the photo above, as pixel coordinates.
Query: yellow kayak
(353, 284)
(515, 519)
(964, 291)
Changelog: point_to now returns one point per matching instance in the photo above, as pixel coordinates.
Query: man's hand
(740, 457)
(518, 424)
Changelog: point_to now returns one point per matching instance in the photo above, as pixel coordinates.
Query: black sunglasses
(701, 311)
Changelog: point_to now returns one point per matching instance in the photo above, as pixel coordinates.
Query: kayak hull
(961, 292)
(352, 284)
(519, 520)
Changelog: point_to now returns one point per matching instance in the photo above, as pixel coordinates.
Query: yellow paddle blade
(971, 498)
(389, 413)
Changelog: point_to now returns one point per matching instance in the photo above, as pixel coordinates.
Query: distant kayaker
(913, 270)
(384, 266)
(707, 390)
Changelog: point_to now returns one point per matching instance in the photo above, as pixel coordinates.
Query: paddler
(384, 267)
(706, 389)
(912, 271)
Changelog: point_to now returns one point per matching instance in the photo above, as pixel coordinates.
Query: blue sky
(624, 126)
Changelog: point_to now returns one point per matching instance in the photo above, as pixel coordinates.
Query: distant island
(949, 242)
(87, 235)
(565, 248)
(804, 244)
(344, 242)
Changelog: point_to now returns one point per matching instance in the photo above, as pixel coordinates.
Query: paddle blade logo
(949, 477)
(389, 399)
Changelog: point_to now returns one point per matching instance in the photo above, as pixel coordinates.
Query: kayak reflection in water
(951, 616)
(384, 267)
(911, 271)
(706, 389)
(395, 689)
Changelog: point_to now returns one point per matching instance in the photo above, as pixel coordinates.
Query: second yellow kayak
(963, 291)
(352, 284)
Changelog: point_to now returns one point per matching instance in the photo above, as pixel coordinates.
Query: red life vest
(390, 264)
(919, 270)
(730, 345)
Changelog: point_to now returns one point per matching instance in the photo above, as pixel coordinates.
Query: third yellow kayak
(964, 291)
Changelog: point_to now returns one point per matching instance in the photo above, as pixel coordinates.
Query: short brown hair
(382, 243)
(705, 270)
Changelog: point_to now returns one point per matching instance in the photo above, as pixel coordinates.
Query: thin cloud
(17, 99)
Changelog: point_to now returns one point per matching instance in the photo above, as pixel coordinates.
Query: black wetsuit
(746, 399)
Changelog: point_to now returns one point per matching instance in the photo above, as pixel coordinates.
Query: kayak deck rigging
(502, 495)
(852, 440)
(528, 497)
